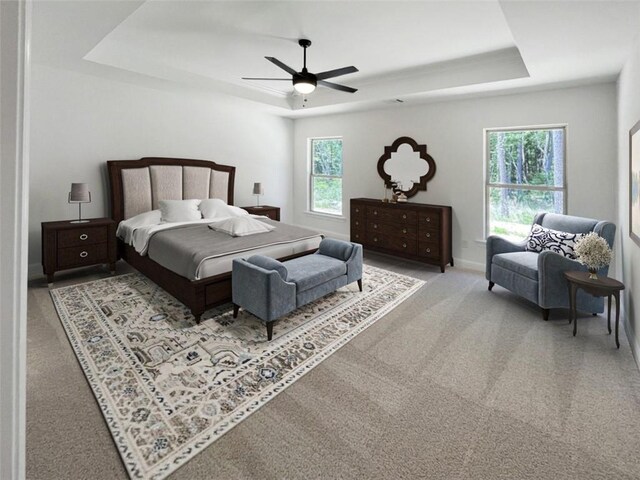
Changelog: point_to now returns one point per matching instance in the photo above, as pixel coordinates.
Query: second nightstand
(69, 245)
(268, 211)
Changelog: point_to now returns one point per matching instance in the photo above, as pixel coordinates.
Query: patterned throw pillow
(563, 243)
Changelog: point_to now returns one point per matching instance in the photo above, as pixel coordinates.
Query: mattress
(194, 251)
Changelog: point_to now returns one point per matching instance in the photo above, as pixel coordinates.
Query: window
(525, 175)
(326, 176)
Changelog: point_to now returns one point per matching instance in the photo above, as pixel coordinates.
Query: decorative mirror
(406, 166)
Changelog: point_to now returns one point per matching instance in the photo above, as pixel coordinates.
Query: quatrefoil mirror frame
(421, 150)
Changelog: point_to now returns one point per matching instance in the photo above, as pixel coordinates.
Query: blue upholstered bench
(270, 289)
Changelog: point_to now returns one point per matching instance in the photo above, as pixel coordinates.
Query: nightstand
(272, 212)
(70, 245)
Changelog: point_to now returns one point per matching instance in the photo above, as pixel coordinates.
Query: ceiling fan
(304, 81)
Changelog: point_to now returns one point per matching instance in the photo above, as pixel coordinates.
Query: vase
(593, 273)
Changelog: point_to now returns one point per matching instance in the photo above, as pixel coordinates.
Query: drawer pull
(375, 239)
(404, 245)
(404, 230)
(404, 215)
(428, 219)
(83, 254)
(84, 236)
(357, 223)
(427, 235)
(357, 210)
(375, 212)
(428, 250)
(357, 236)
(375, 225)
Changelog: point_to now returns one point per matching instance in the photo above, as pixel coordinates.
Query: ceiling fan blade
(284, 67)
(260, 78)
(336, 86)
(336, 73)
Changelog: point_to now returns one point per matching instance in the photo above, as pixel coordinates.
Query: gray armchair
(538, 277)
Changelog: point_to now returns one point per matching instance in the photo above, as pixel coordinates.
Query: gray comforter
(181, 250)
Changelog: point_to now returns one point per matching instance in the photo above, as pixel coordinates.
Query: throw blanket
(182, 250)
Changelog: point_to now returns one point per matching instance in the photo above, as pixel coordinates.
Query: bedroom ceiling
(414, 51)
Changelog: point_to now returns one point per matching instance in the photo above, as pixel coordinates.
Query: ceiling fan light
(304, 86)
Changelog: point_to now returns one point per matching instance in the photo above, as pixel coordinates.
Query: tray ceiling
(409, 50)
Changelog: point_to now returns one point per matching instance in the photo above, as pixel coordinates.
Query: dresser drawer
(82, 236)
(428, 234)
(393, 215)
(392, 243)
(358, 236)
(429, 220)
(357, 210)
(84, 255)
(357, 222)
(429, 250)
(404, 231)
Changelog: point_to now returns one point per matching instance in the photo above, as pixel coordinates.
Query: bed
(137, 186)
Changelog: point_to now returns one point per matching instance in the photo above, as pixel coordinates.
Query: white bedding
(138, 234)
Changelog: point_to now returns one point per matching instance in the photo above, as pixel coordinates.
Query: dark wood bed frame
(197, 295)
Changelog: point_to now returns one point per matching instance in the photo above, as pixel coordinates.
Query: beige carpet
(455, 383)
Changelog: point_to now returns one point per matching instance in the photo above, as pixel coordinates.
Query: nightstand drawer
(84, 255)
(82, 236)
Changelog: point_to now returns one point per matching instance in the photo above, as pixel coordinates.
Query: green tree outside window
(525, 175)
(326, 175)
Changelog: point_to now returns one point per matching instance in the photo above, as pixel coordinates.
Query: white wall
(78, 122)
(628, 260)
(453, 132)
(15, 29)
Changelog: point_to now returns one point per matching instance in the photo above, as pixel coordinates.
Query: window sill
(326, 216)
(482, 241)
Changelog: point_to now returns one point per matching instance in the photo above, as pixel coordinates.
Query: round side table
(600, 287)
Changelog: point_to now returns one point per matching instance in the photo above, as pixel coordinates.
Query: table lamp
(79, 194)
(258, 190)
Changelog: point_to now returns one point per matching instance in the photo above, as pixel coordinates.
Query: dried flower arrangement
(593, 251)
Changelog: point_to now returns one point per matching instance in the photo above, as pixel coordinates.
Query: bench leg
(360, 284)
(236, 309)
(491, 284)
(269, 330)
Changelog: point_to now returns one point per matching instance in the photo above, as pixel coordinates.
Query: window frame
(487, 169)
(311, 197)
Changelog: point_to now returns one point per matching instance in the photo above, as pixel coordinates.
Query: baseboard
(469, 265)
(34, 271)
(633, 340)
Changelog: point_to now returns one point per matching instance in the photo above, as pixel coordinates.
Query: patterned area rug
(168, 388)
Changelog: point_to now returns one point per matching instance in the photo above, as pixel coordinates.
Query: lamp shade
(258, 189)
(79, 193)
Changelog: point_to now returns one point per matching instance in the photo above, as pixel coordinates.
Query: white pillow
(179, 210)
(240, 226)
(126, 227)
(216, 208)
(143, 219)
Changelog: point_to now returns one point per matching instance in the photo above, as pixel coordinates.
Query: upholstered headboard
(137, 186)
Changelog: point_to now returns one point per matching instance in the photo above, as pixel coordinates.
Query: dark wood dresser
(410, 230)
(70, 245)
